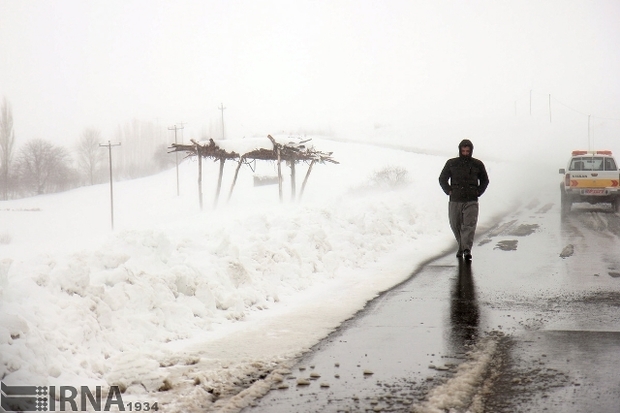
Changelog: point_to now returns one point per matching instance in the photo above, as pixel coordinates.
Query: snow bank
(176, 286)
(246, 145)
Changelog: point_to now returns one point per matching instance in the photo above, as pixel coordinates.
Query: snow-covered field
(195, 302)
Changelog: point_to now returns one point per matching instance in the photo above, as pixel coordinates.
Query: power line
(568, 107)
(575, 110)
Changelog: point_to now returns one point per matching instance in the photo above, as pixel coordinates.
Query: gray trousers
(463, 220)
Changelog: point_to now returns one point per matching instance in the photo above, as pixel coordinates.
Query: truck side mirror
(562, 171)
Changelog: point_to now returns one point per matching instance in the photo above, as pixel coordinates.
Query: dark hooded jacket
(464, 178)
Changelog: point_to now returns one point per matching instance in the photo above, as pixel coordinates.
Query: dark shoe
(459, 254)
(467, 255)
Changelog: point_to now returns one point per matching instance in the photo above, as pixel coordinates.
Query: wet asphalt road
(546, 290)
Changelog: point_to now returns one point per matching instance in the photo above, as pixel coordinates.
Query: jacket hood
(466, 142)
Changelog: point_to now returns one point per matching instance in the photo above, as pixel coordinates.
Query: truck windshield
(594, 163)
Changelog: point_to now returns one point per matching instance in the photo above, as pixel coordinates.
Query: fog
(520, 78)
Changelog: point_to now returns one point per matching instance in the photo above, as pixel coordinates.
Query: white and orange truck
(590, 176)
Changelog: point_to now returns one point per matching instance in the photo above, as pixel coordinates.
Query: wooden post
(279, 173)
(303, 185)
(199, 176)
(219, 182)
(276, 148)
(235, 178)
(293, 187)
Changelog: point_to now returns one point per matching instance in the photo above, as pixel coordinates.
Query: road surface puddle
(523, 230)
(568, 251)
(507, 245)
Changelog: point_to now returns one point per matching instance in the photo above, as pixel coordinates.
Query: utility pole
(588, 132)
(549, 107)
(176, 154)
(109, 146)
(222, 109)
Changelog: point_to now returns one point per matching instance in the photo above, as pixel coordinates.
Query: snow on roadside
(176, 287)
(461, 392)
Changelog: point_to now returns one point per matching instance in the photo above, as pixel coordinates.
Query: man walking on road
(464, 179)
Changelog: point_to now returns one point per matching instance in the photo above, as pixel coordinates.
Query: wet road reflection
(390, 355)
(464, 309)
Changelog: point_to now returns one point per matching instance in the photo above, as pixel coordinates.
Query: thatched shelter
(289, 149)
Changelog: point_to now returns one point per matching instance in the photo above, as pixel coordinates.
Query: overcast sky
(349, 66)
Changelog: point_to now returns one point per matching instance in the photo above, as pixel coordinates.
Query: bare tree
(142, 142)
(44, 167)
(7, 140)
(89, 155)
